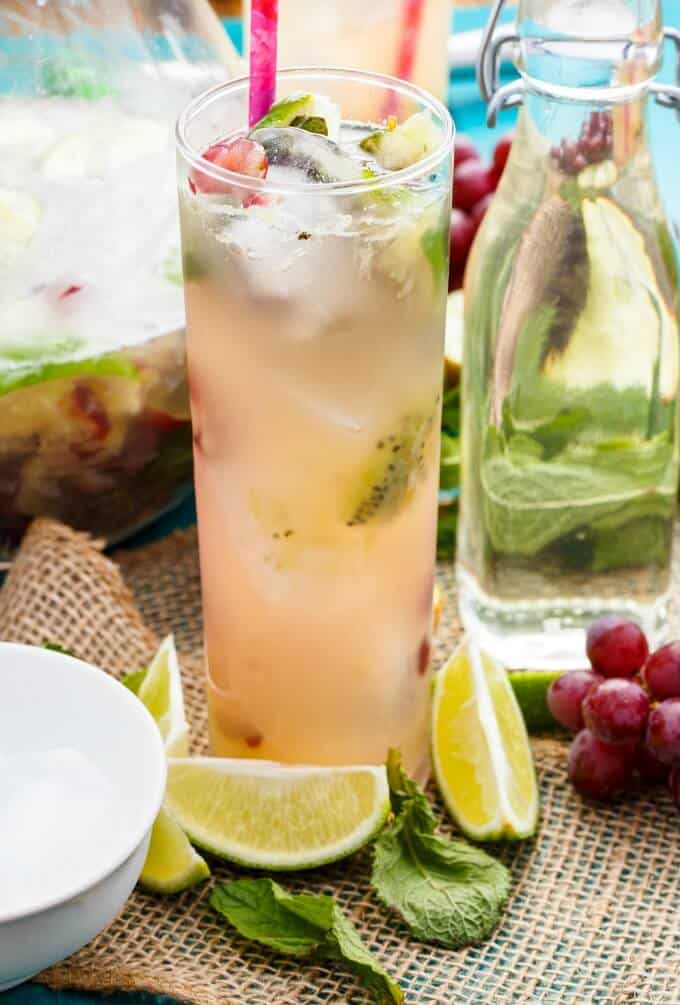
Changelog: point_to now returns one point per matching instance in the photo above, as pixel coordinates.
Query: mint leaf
(449, 892)
(261, 910)
(302, 925)
(344, 943)
(531, 503)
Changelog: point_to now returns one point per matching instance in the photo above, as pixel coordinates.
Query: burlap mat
(593, 916)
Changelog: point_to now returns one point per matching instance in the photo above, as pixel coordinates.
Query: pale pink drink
(315, 303)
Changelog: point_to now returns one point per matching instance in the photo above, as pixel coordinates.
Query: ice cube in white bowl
(82, 777)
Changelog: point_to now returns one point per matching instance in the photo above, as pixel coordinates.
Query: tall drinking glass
(315, 313)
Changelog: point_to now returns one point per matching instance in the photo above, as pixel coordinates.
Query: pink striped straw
(264, 23)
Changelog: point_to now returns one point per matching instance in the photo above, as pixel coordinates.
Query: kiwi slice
(389, 477)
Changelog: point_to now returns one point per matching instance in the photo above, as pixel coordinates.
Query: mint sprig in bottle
(570, 374)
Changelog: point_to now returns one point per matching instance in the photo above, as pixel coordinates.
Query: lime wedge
(161, 692)
(481, 755)
(274, 816)
(171, 863)
(531, 691)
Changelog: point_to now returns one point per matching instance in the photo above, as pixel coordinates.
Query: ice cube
(317, 157)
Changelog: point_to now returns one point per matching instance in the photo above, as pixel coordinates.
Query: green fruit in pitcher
(625, 322)
(389, 478)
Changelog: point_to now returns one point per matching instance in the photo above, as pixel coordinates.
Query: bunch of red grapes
(474, 184)
(625, 712)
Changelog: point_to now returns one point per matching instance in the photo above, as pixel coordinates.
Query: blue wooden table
(468, 112)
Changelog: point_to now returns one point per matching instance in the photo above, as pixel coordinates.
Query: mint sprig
(449, 892)
(303, 925)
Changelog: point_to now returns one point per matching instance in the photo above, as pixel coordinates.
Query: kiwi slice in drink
(392, 472)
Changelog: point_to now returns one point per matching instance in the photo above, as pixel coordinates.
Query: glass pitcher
(94, 413)
(570, 375)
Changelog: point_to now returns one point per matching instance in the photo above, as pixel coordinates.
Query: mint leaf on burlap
(344, 943)
(301, 925)
(449, 892)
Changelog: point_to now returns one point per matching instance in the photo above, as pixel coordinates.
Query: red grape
(616, 647)
(471, 182)
(661, 672)
(501, 154)
(566, 694)
(464, 150)
(479, 210)
(674, 785)
(650, 767)
(461, 235)
(616, 710)
(597, 769)
(663, 731)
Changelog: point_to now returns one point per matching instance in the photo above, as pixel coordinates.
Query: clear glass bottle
(570, 374)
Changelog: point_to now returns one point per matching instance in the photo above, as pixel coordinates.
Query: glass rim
(240, 84)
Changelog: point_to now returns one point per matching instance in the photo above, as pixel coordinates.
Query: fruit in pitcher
(616, 647)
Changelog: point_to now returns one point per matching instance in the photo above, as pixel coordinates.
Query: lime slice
(161, 692)
(20, 215)
(274, 816)
(171, 863)
(453, 343)
(531, 691)
(481, 755)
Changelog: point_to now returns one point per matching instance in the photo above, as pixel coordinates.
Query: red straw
(409, 33)
(264, 21)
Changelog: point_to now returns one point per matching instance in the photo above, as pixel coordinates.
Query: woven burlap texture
(593, 916)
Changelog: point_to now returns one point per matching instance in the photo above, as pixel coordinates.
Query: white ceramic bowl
(48, 700)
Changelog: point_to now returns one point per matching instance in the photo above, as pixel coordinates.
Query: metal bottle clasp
(511, 95)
